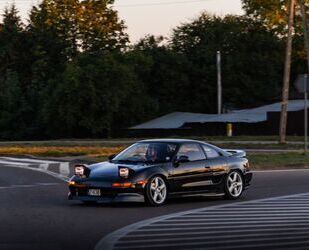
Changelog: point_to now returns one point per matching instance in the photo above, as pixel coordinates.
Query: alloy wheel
(234, 184)
(158, 190)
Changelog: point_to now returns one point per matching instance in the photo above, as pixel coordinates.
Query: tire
(156, 191)
(234, 185)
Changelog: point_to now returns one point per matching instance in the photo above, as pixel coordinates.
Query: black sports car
(154, 170)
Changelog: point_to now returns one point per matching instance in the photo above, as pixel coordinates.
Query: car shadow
(171, 201)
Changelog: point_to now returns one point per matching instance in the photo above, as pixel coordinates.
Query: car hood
(109, 170)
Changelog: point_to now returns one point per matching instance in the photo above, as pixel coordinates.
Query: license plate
(94, 192)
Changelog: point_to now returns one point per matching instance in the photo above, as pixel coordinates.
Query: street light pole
(219, 82)
(286, 77)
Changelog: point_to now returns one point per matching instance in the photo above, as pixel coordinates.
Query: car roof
(179, 141)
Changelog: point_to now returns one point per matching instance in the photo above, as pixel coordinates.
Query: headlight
(124, 172)
(81, 170)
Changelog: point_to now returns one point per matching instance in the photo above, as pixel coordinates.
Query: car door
(192, 175)
(215, 162)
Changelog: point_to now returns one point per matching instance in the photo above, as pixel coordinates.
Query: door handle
(207, 167)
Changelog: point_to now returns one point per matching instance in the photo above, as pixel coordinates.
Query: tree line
(70, 71)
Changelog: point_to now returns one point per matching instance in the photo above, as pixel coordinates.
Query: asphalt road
(35, 214)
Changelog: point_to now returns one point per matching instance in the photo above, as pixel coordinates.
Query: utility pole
(286, 77)
(305, 24)
(219, 82)
(305, 115)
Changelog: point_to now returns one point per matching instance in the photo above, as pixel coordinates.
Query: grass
(278, 160)
(247, 138)
(68, 143)
(234, 145)
(91, 151)
(99, 150)
(94, 150)
(127, 141)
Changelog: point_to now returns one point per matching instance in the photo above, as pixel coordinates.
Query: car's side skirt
(208, 193)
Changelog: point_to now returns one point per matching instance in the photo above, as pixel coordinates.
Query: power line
(161, 3)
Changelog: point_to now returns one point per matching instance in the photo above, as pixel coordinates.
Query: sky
(156, 17)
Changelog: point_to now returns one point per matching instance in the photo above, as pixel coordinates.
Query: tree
(99, 27)
(87, 25)
(15, 75)
(88, 95)
(251, 57)
(166, 80)
(12, 42)
(60, 32)
(13, 108)
(273, 14)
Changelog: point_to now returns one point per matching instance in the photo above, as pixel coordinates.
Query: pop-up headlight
(124, 172)
(81, 170)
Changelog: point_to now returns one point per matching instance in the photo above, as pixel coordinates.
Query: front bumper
(107, 194)
(121, 197)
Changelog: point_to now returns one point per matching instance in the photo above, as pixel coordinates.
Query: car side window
(210, 152)
(192, 151)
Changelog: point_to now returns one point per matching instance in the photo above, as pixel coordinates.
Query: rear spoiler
(236, 152)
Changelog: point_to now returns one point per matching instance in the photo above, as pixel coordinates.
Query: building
(263, 120)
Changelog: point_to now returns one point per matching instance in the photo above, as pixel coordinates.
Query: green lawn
(235, 145)
(126, 141)
(278, 160)
(98, 150)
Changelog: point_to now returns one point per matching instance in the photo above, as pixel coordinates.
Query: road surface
(35, 213)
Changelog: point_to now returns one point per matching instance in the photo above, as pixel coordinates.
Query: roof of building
(178, 119)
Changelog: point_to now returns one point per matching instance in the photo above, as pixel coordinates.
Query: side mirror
(181, 159)
(111, 157)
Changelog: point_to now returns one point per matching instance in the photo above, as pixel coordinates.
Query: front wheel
(234, 185)
(156, 191)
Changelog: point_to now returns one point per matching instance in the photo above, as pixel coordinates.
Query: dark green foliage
(86, 102)
(14, 110)
(274, 14)
(70, 72)
(165, 74)
(251, 60)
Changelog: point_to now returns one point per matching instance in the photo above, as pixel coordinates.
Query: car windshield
(153, 152)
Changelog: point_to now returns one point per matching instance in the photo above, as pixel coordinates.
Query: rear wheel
(156, 191)
(234, 185)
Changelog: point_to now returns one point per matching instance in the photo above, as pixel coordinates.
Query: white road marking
(47, 184)
(64, 168)
(260, 224)
(14, 163)
(58, 176)
(44, 166)
(29, 160)
(38, 165)
(28, 185)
